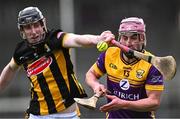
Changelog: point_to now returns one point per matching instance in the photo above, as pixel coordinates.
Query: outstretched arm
(8, 73)
(75, 40)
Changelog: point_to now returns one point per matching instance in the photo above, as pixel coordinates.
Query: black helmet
(30, 15)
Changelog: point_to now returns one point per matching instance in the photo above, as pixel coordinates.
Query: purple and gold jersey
(128, 81)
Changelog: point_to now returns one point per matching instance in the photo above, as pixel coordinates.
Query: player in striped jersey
(44, 55)
(135, 84)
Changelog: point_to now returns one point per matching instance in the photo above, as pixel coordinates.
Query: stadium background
(162, 18)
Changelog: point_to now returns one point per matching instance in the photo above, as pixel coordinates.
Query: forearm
(150, 103)
(7, 75)
(91, 79)
(142, 105)
(89, 39)
(73, 40)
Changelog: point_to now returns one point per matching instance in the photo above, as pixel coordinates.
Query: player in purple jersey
(135, 85)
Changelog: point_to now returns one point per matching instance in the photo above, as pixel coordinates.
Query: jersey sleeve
(55, 39)
(154, 80)
(99, 66)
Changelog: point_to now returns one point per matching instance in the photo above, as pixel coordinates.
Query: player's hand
(107, 36)
(115, 104)
(100, 89)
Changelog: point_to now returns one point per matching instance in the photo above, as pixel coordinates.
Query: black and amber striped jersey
(50, 71)
(128, 81)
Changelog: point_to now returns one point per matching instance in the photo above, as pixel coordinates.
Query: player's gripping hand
(106, 36)
(100, 89)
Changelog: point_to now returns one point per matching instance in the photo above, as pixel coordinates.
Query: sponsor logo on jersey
(112, 66)
(156, 79)
(38, 66)
(139, 73)
(127, 96)
(124, 84)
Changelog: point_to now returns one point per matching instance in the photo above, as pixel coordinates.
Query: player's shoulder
(53, 33)
(21, 46)
(113, 49)
(22, 49)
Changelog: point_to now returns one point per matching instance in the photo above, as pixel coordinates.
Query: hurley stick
(166, 65)
(89, 102)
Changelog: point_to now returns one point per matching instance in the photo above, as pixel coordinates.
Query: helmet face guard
(132, 25)
(28, 16)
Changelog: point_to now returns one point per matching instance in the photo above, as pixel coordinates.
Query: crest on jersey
(139, 73)
(124, 84)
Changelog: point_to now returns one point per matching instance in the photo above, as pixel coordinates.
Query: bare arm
(7, 74)
(147, 104)
(92, 80)
(150, 103)
(75, 40)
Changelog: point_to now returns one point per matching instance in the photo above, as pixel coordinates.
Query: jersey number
(126, 73)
